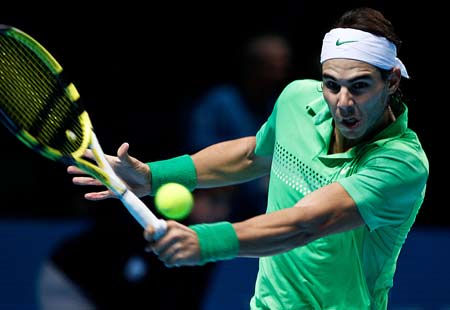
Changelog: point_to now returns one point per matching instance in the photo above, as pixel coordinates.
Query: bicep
(329, 210)
(230, 162)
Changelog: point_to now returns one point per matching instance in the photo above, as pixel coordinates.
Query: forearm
(327, 211)
(271, 234)
(229, 163)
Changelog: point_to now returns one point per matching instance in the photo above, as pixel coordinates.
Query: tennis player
(347, 179)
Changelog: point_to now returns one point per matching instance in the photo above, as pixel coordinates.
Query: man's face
(356, 95)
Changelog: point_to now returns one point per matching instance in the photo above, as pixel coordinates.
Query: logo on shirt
(338, 42)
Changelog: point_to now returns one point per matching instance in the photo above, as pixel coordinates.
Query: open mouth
(350, 122)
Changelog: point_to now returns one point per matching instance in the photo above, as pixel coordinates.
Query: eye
(359, 86)
(332, 86)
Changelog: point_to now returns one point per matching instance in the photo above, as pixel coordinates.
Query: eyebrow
(361, 77)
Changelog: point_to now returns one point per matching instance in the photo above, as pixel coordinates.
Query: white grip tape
(143, 214)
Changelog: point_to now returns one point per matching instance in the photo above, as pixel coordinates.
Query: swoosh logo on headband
(338, 43)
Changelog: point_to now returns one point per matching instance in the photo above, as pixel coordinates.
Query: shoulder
(402, 151)
(304, 86)
(410, 148)
(305, 89)
(306, 93)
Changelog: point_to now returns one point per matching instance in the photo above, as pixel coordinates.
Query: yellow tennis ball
(174, 201)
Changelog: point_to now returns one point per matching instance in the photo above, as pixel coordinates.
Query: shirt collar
(397, 128)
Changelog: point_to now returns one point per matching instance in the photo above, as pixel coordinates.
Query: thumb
(122, 152)
(149, 233)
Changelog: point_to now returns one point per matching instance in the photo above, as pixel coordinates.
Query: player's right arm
(132, 171)
(230, 162)
(221, 164)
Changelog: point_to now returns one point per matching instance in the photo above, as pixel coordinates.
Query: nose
(345, 103)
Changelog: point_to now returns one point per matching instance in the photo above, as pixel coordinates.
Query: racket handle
(143, 214)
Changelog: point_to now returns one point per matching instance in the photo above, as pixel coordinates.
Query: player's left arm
(375, 197)
(325, 211)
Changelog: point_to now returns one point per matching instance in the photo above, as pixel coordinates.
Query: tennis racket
(42, 109)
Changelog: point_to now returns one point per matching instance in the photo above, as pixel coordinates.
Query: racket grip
(143, 214)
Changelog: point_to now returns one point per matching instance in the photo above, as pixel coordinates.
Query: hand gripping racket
(43, 111)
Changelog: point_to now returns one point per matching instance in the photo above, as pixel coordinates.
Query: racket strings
(32, 82)
(25, 80)
(34, 98)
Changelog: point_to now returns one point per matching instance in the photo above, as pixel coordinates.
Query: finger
(149, 232)
(148, 248)
(171, 265)
(89, 154)
(122, 152)
(177, 256)
(99, 195)
(167, 256)
(165, 243)
(86, 181)
(75, 170)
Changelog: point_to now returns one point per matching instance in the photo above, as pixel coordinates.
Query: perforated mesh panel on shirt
(295, 173)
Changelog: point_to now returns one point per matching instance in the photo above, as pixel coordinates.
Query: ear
(394, 80)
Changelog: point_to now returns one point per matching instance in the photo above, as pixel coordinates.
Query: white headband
(360, 45)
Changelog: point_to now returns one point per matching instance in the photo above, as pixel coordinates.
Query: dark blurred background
(138, 65)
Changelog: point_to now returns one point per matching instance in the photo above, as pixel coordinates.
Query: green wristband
(179, 169)
(218, 241)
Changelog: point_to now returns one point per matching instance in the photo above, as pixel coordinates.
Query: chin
(351, 134)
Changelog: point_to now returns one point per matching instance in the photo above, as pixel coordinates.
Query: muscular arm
(221, 164)
(325, 211)
(229, 163)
